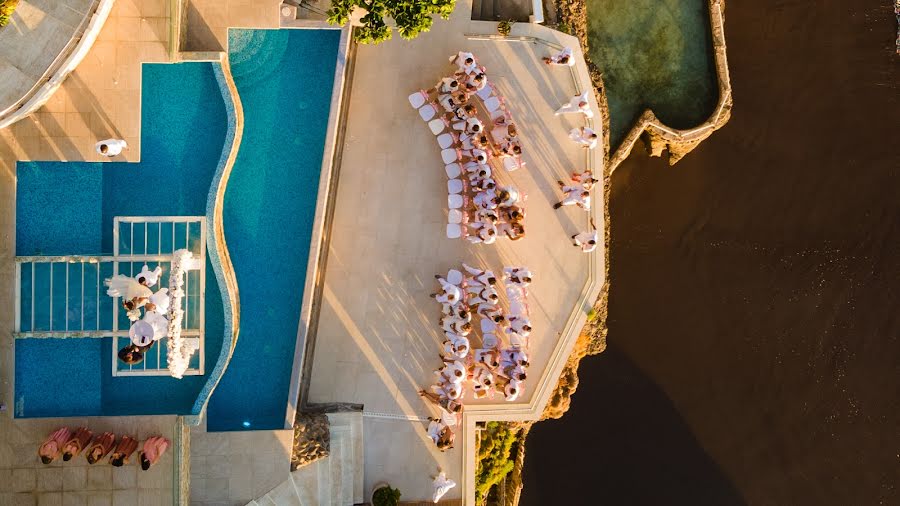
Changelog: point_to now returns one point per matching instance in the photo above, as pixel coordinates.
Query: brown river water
(754, 314)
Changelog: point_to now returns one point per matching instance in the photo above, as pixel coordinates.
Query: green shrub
(504, 27)
(412, 17)
(6, 10)
(386, 496)
(494, 463)
(564, 28)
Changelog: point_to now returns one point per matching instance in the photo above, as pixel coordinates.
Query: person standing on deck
(578, 103)
(111, 147)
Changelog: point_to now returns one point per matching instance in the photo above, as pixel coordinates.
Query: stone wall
(312, 439)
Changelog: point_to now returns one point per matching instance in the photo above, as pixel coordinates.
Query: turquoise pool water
(284, 79)
(68, 209)
(654, 54)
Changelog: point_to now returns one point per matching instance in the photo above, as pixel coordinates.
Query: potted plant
(504, 27)
(385, 495)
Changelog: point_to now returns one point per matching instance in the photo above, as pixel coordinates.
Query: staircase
(336, 480)
(496, 10)
(486, 10)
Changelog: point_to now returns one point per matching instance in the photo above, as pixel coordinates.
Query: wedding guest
(76, 443)
(51, 448)
(111, 147)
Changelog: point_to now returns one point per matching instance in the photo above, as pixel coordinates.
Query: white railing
(89, 312)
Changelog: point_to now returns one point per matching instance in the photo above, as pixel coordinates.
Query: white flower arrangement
(179, 349)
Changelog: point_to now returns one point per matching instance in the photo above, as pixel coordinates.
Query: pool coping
(218, 249)
(321, 222)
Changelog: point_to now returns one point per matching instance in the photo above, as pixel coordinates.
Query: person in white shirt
(513, 356)
(584, 136)
(451, 294)
(472, 126)
(111, 147)
(476, 82)
(460, 327)
(563, 57)
(587, 241)
(584, 183)
(483, 294)
(452, 372)
(512, 390)
(479, 277)
(447, 390)
(456, 346)
(441, 485)
(485, 234)
(518, 276)
(447, 85)
(578, 103)
(465, 61)
(448, 103)
(520, 324)
(488, 357)
(575, 196)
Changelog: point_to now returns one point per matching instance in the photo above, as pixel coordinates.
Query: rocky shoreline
(312, 439)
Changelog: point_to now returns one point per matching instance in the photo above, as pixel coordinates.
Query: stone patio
(25, 481)
(378, 339)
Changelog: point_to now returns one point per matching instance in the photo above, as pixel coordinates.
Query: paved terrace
(378, 339)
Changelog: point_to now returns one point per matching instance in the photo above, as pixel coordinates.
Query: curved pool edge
(218, 247)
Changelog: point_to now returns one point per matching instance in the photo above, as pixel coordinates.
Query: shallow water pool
(654, 54)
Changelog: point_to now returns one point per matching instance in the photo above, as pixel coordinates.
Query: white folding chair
(454, 277)
(492, 104)
(511, 163)
(418, 99)
(453, 170)
(454, 201)
(455, 216)
(454, 186)
(446, 140)
(488, 326)
(486, 92)
(437, 125)
(454, 231)
(450, 155)
(427, 112)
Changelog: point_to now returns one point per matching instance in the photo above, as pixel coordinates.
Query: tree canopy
(412, 17)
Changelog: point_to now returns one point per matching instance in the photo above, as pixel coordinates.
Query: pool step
(335, 480)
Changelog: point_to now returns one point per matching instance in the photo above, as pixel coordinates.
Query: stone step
(476, 10)
(487, 10)
(336, 480)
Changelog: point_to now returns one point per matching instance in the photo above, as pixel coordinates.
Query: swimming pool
(69, 209)
(285, 80)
